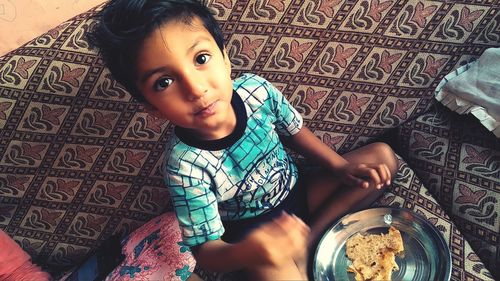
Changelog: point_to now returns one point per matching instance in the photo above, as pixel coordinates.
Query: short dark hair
(122, 26)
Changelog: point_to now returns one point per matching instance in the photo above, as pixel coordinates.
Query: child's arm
(307, 144)
(15, 263)
(270, 244)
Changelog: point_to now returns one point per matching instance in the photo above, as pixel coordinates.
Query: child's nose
(194, 87)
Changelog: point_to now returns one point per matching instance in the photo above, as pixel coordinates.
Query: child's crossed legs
(328, 199)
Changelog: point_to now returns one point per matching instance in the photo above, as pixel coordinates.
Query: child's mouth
(207, 111)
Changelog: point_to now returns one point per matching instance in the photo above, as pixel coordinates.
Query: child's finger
(383, 175)
(301, 234)
(293, 229)
(285, 221)
(291, 222)
(371, 174)
(302, 226)
(388, 180)
(282, 218)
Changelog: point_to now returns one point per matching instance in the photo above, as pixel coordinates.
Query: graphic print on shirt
(244, 177)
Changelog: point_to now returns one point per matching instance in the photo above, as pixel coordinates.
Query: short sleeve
(195, 204)
(288, 119)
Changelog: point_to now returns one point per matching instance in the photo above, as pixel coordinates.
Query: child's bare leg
(287, 271)
(328, 200)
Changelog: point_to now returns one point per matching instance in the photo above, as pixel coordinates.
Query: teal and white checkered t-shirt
(240, 176)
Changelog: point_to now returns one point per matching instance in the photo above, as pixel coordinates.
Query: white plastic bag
(475, 88)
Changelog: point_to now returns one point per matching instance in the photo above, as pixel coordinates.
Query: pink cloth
(15, 264)
(154, 252)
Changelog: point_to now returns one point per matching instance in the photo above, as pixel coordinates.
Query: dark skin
(278, 250)
(346, 183)
(189, 83)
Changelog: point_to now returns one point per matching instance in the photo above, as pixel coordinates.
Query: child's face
(183, 74)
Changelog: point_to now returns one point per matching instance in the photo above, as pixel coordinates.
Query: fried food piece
(373, 256)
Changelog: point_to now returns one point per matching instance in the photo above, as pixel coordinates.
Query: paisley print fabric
(80, 161)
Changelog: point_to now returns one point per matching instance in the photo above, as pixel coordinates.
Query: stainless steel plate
(426, 255)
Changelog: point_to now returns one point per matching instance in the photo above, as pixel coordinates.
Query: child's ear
(149, 109)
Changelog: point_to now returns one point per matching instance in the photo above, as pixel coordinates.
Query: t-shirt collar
(241, 123)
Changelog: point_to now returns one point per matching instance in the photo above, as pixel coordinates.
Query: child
(238, 196)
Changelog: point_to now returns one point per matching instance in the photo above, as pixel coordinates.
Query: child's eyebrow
(197, 42)
(149, 73)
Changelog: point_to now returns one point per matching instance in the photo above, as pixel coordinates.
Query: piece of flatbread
(373, 256)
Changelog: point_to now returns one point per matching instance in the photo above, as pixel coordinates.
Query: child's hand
(366, 175)
(281, 239)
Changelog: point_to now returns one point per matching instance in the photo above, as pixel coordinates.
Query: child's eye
(202, 59)
(162, 83)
